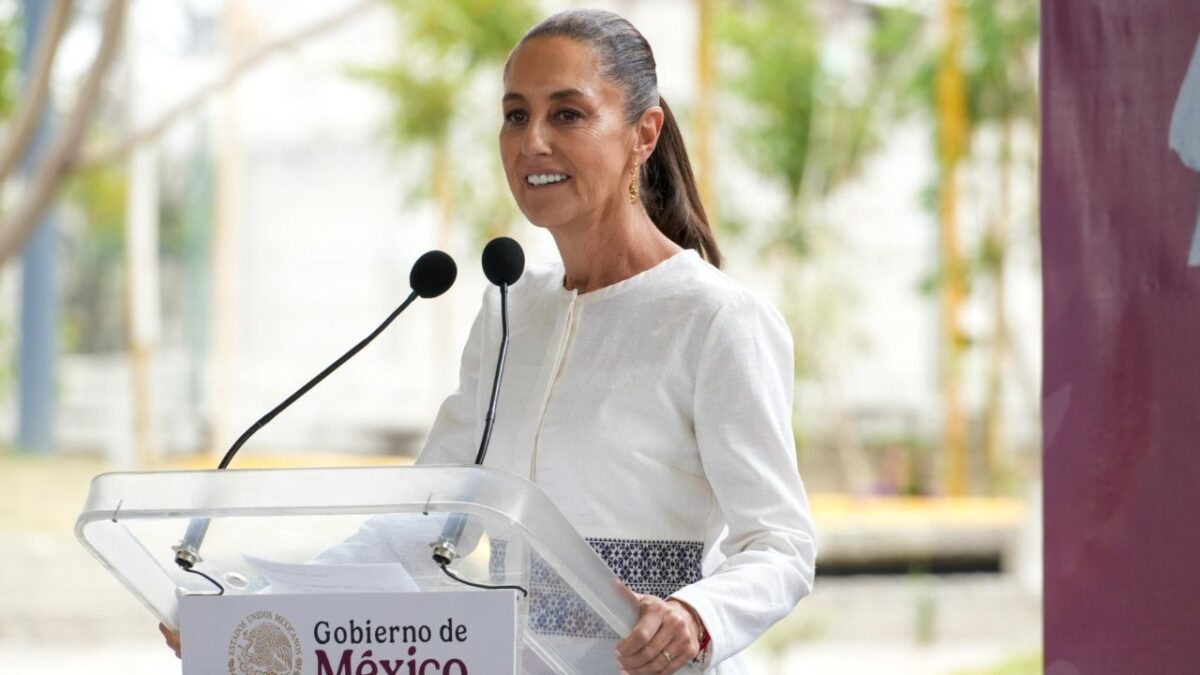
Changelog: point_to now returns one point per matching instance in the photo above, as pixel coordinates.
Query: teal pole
(39, 293)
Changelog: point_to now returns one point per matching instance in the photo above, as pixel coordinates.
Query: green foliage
(998, 63)
(93, 283)
(446, 47)
(424, 102)
(1000, 71)
(810, 122)
(997, 60)
(482, 31)
(8, 64)
(779, 75)
(896, 44)
(100, 195)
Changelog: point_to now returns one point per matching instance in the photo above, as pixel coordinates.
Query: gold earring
(633, 184)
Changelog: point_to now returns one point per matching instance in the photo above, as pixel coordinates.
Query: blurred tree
(778, 75)
(438, 85)
(446, 46)
(94, 309)
(1002, 80)
(979, 81)
(55, 162)
(8, 66)
(35, 88)
(66, 153)
(950, 115)
(808, 125)
(9, 86)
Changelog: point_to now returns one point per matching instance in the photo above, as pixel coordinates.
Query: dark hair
(668, 187)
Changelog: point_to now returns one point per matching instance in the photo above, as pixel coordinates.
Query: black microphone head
(503, 261)
(433, 274)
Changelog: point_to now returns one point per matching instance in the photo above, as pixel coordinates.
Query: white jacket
(656, 414)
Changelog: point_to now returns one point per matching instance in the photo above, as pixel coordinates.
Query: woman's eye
(514, 116)
(568, 115)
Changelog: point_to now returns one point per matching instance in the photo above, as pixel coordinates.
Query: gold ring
(666, 655)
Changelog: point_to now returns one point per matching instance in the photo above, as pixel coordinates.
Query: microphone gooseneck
(432, 275)
(503, 264)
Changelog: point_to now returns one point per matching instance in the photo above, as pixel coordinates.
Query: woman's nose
(534, 141)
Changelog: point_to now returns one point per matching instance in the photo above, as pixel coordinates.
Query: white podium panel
(453, 633)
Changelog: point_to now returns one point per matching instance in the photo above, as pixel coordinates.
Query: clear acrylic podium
(568, 624)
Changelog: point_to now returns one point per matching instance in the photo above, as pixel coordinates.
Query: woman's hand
(665, 639)
(172, 639)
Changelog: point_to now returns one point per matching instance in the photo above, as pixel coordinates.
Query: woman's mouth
(538, 180)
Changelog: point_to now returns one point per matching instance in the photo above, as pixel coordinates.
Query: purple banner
(1121, 395)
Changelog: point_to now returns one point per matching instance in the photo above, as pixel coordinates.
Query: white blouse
(656, 414)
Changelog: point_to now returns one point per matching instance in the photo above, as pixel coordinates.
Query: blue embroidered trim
(496, 561)
(651, 567)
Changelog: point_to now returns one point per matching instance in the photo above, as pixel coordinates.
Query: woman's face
(565, 143)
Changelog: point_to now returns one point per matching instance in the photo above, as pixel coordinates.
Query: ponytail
(669, 192)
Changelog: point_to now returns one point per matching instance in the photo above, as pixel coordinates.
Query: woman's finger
(682, 650)
(172, 639)
(647, 626)
(652, 656)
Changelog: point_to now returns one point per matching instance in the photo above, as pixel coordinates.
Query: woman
(645, 393)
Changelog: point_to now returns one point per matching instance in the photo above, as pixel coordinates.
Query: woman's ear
(646, 132)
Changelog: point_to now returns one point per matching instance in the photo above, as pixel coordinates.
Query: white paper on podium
(284, 577)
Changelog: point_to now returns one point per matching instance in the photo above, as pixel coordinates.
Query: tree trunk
(37, 89)
(994, 411)
(952, 135)
(48, 176)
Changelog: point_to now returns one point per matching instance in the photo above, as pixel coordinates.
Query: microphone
(503, 261)
(503, 264)
(431, 275)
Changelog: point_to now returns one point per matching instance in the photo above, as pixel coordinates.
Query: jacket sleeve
(743, 423)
